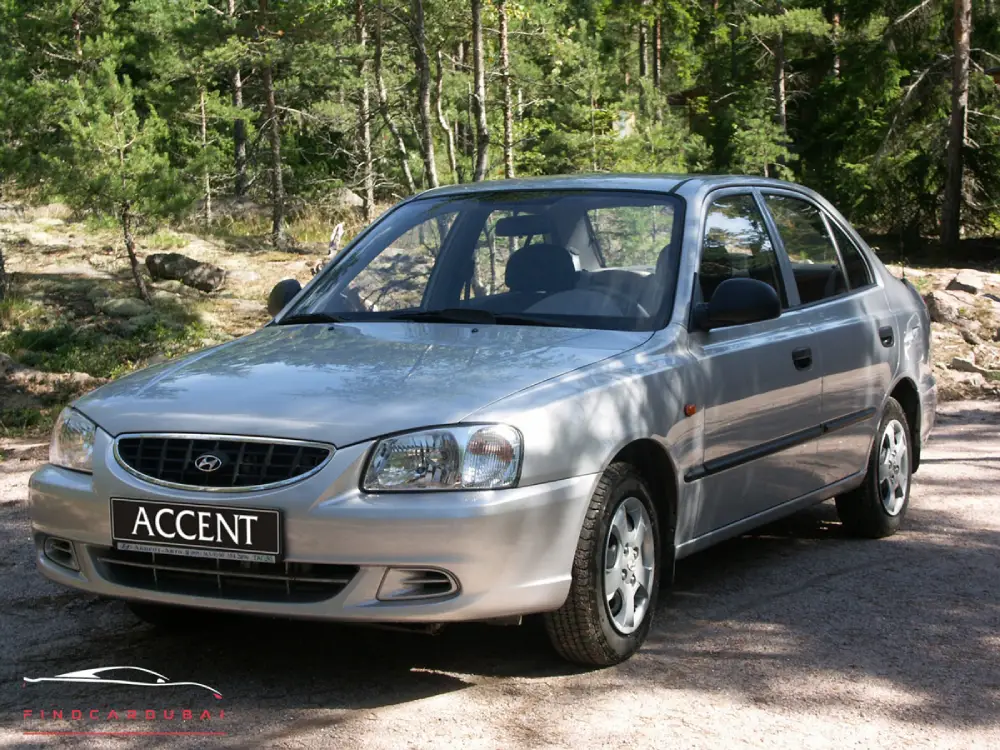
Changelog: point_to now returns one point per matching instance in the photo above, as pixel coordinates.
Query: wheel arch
(906, 393)
(656, 466)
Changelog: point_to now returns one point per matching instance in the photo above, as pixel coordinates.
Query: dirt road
(792, 637)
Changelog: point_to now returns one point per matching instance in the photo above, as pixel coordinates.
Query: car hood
(347, 382)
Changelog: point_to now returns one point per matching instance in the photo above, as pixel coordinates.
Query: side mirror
(737, 301)
(283, 293)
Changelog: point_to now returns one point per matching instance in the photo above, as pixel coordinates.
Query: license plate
(217, 531)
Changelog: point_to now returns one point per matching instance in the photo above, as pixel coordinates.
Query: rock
(97, 293)
(344, 198)
(243, 276)
(949, 307)
(124, 307)
(48, 221)
(966, 281)
(177, 287)
(967, 365)
(970, 378)
(163, 296)
(193, 273)
(969, 337)
(158, 358)
(11, 211)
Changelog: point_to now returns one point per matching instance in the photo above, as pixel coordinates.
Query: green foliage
(100, 353)
(107, 101)
(15, 311)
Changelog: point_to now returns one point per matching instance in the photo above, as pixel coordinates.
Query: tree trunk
(239, 126)
(125, 216)
(780, 105)
(423, 66)
(364, 121)
(383, 106)
(443, 121)
(479, 97)
(657, 51)
(951, 213)
(835, 34)
(77, 35)
(274, 135)
(206, 175)
(508, 104)
(3, 277)
(643, 50)
(593, 131)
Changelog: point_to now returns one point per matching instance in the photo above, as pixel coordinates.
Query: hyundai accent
(505, 399)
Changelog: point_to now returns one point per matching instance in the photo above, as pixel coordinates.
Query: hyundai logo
(208, 463)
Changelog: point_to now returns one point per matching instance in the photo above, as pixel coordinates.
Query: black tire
(583, 629)
(863, 511)
(165, 617)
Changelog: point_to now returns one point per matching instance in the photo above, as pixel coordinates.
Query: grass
(18, 421)
(97, 352)
(165, 240)
(309, 228)
(99, 222)
(16, 311)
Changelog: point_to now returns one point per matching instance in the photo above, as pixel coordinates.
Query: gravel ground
(793, 637)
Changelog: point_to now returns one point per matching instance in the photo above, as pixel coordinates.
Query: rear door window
(809, 247)
(858, 273)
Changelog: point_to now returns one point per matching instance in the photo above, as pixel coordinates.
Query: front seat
(538, 270)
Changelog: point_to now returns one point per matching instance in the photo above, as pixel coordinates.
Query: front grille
(243, 463)
(224, 579)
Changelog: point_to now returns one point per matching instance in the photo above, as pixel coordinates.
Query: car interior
(558, 269)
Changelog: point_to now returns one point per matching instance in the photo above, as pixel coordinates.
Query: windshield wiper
(314, 317)
(470, 315)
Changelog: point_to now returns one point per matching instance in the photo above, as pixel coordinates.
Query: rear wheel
(608, 612)
(876, 508)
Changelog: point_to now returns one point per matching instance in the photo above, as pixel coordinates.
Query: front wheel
(608, 612)
(876, 508)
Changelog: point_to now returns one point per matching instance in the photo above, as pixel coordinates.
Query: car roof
(655, 183)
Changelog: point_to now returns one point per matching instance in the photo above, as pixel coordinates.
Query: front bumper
(510, 551)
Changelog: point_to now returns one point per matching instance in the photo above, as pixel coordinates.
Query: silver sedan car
(506, 399)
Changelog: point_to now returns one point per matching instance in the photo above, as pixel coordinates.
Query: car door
(762, 380)
(853, 327)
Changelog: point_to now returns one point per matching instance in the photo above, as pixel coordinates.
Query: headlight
(72, 444)
(479, 457)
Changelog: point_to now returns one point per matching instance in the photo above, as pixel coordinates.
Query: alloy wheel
(893, 467)
(628, 565)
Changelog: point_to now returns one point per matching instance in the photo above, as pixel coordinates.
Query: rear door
(853, 327)
(762, 380)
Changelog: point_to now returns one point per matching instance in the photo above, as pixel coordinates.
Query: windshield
(582, 259)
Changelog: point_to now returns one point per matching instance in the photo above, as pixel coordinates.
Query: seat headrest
(540, 268)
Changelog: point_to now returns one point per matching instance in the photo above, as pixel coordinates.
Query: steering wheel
(629, 306)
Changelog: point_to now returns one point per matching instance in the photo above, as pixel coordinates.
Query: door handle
(803, 358)
(886, 335)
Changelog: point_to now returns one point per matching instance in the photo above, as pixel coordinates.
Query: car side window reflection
(736, 243)
(815, 265)
(858, 275)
